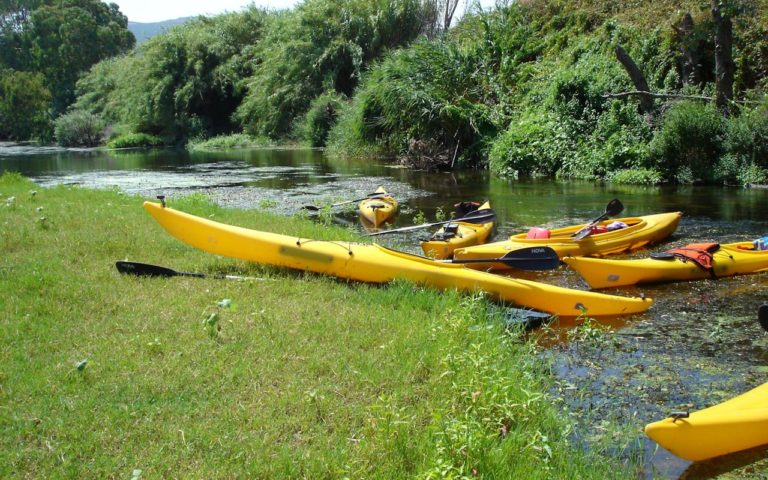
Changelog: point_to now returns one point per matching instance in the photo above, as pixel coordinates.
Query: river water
(699, 345)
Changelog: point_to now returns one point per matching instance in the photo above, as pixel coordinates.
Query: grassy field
(300, 376)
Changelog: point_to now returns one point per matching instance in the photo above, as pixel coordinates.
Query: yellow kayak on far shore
(378, 210)
(376, 264)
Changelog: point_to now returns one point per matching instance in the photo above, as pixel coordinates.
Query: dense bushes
(24, 103)
(425, 102)
(78, 129)
(324, 45)
(320, 118)
(135, 140)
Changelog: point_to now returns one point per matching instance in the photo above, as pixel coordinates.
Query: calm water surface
(700, 344)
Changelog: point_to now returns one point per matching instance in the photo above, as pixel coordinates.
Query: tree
(724, 66)
(60, 39)
(24, 104)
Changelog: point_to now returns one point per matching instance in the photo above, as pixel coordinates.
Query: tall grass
(297, 375)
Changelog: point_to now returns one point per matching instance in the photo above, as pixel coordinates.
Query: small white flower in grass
(80, 366)
(9, 201)
(39, 209)
(225, 303)
(33, 193)
(136, 474)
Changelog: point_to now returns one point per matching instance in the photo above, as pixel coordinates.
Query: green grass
(301, 376)
(223, 142)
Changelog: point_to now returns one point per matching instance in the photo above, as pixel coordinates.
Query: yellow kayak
(378, 210)
(731, 426)
(731, 259)
(639, 231)
(376, 264)
(442, 244)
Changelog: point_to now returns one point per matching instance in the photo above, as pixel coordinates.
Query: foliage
(746, 144)
(637, 176)
(24, 102)
(323, 45)
(185, 83)
(236, 140)
(320, 118)
(78, 129)
(689, 143)
(532, 146)
(425, 102)
(135, 140)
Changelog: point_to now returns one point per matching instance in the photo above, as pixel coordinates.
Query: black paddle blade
(762, 316)
(529, 258)
(614, 207)
(532, 258)
(146, 270)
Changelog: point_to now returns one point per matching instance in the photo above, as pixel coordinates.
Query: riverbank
(291, 376)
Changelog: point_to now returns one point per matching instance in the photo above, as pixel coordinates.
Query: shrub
(746, 146)
(222, 142)
(534, 145)
(637, 176)
(24, 104)
(78, 129)
(321, 117)
(689, 143)
(135, 140)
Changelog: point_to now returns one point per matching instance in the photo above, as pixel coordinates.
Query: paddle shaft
(614, 207)
(346, 202)
(485, 215)
(147, 270)
(531, 258)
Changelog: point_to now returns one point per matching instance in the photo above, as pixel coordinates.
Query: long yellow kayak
(378, 210)
(376, 264)
(731, 426)
(467, 234)
(731, 259)
(639, 232)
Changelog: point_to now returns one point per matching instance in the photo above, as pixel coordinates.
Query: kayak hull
(731, 259)
(378, 210)
(468, 234)
(640, 232)
(737, 424)
(376, 264)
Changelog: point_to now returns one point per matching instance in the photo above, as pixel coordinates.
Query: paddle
(147, 270)
(530, 258)
(613, 208)
(762, 316)
(315, 208)
(478, 216)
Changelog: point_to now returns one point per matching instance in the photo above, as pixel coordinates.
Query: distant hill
(145, 31)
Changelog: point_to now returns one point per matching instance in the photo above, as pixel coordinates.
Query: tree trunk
(638, 79)
(724, 66)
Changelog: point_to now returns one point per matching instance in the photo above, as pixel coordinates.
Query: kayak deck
(731, 259)
(376, 264)
(640, 231)
(467, 235)
(737, 424)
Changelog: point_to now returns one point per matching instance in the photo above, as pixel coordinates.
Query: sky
(148, 11)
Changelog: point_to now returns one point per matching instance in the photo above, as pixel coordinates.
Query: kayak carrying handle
(675, 416)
